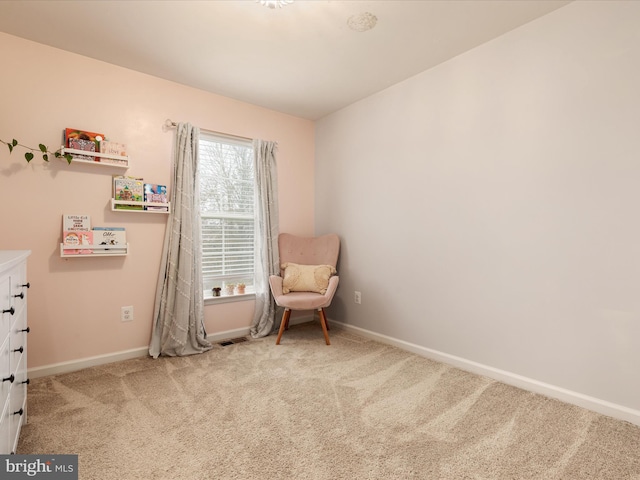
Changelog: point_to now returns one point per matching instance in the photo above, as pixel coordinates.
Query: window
(226, 210)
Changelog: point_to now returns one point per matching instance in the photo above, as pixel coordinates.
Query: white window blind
(226, 210)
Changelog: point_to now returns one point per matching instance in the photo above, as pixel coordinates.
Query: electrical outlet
(126, 314)
(357, 297)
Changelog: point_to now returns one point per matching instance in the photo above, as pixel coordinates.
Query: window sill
(243, 297)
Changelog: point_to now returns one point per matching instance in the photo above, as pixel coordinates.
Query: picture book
(83, 140)
(76, 222)
(154, 193)
(85, 145)
(113, 148)
(74, 134)
(79, 238)
(116, 236)
(128, 189)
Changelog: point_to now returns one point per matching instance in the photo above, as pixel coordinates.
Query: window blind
(226, 210)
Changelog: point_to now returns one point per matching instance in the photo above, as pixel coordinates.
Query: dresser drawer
(5, 427)
(5, 372)
(18, 289)
(6, 305)
(17, 342)
(17, 404)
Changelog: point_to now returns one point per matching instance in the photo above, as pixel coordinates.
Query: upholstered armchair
(308, 278)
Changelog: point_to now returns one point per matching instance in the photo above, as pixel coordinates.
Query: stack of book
(95, 143)
(133, 194)
(77, 232)
(83, 140)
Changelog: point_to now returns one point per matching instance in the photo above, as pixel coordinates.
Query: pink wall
(74, 304)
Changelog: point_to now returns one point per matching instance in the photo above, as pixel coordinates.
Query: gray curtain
(178, 316)
(266, 242)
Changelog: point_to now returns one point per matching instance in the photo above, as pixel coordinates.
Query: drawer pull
(11, 311)
(28, 285)
(18, 349)
(10, 378)
(20, 295)
(19, 412)
(25, 330)
(27, 382)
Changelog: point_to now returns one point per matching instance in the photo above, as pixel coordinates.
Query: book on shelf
(76, 231)
(76, 222)
(128, 189)
(155, 193)
(85, 145)
(83, 140)
(113, 148)
(77, 238)
(116, 236)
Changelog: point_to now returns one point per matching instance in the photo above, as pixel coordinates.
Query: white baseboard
(591, 403)
(604, 407)
(74, 365)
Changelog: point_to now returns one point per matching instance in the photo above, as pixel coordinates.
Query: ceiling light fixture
(274, 3)
(362, 22)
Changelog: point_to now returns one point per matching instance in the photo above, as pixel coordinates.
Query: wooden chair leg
(284, 323)
(323, 322)
(314, 317)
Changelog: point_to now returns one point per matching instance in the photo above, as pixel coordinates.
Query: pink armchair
(305, 252)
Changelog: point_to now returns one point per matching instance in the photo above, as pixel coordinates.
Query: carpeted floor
(354, 410)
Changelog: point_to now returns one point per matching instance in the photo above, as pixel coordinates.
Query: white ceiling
(301, 59)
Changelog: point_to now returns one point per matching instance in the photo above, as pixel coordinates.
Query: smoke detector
(362, 22)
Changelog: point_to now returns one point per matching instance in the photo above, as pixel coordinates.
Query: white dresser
(13, 346)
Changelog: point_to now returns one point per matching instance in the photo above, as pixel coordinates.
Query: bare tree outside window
(226, 211)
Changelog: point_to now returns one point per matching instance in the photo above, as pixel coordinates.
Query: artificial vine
(42, 149)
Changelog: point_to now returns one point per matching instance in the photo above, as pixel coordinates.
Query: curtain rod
(170, 124)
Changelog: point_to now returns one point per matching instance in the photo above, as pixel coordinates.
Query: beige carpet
(302, 410)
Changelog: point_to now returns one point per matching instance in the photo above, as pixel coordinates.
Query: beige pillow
(306, 278)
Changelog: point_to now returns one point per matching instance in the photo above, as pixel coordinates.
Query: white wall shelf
(98, 250)
(101, 159)
(115, 202)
